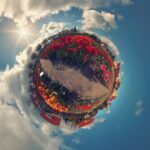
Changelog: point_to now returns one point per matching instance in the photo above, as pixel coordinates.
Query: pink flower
(104, 77)
(107, 73)
(103, 67)
(85, 58)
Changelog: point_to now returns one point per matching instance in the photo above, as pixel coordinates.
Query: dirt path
(74, 80)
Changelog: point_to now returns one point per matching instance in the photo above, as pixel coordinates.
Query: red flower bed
(74, 43)
(86, 122)
(84, 107)
(80, 52)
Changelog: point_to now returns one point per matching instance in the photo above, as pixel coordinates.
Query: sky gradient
(125, 125)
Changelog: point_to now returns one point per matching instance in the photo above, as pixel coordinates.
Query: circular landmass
(72, 76)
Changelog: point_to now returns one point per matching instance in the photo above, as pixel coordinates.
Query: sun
(23, 33)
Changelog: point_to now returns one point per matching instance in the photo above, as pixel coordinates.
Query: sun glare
(23, 33)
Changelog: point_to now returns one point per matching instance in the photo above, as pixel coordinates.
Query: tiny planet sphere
(72, 76)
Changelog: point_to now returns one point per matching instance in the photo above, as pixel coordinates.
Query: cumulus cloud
(89, 127)
(21, 125)
(109, 19)
(122, 74)
(67, 128)
(76, 141)
(100, 120)
(23, 12)
(108, 111)
(52, 28)
(111, 45)
(96, 121)
(139, 108)
(93, 19)
(120, 17)
(17, 133)
(126, 2)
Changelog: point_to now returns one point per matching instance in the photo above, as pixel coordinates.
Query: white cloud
(17, 116)
(17, 133)
(111, 45)
(52, 28)
(139, 103)
(23, 12)
(126, 2)
(109, 18)
(96, 121)
(100, 120)
(93, 19)
(18, 121)
(67, 128)
(46, 128)
(120, 17)
(76, 141)
(122, 74)
(89, 127)
(108, 111)
(139, 108)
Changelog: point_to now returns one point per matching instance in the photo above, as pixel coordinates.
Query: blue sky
(122, 129)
